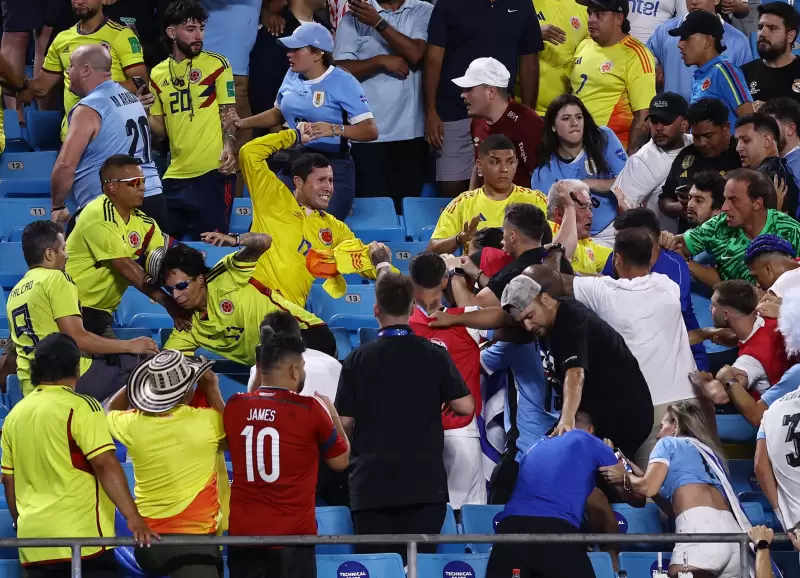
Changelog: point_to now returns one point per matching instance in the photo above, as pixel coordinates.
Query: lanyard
(396, 332)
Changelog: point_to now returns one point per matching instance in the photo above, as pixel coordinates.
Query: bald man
(107, 120)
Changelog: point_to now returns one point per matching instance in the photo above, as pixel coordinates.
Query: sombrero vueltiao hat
(160, 383)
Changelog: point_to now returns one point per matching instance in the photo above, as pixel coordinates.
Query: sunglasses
(182, 286)
(135, 182)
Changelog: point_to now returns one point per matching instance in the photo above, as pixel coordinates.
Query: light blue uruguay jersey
(335, 97)
(124, 129)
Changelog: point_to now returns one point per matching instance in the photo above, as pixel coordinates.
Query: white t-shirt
(646, 312)
(756, 374)
(322, 374)
(646, 15)
(777, 431)
(786, 282)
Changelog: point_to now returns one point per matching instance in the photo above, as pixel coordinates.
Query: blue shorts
(199, 204)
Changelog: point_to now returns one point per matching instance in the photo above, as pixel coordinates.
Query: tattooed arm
(228, 118)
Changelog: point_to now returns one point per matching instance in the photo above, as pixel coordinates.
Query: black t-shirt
(140, 16)
(515, 268)
(394, 388)
(766, 83)
(614, 390)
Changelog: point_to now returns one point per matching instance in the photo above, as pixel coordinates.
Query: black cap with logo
(667, 107)
(699, 22)
(618, 6)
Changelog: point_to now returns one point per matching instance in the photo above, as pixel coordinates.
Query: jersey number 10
(275, 437)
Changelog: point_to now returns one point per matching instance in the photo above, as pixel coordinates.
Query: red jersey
(767, 346)
(275, 438)
(463, 350)
(522, 126)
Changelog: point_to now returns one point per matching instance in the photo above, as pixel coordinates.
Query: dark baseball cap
(668, 106)
(699, 22)
(618, 6)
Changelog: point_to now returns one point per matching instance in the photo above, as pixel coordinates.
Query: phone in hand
(140, 82)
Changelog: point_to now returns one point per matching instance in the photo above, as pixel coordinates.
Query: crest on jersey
(706, 84)
(105, 45)
(439, 342)
(590, 253)
(326, 236)
(796, 85)
(607, 66)
(195, 75)
(576, 23)
(226, 306)
(318, 98)
(687, 161)
(754, 87)
(134, 239)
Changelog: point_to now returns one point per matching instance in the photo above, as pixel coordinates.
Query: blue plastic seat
(15, 134)
(477, 519)
(34, 165)
(212, 254)
(12, 265)
(367, 334)
(450, 527)
(7, 531)
(10, 569)
(402, 253)
(421, 213)
(127, 467)
(439, 565)
(3, 318)
(44, 129)
(229, 386)
(352, 311)
(602, 565)
(334, 521)
(15, 214)
(377, 565)
(632, 520)
(344, 344)
(374, 219)
(131, 332)
(754, 512)
(642, 564)
(743, 477)
(241, 215)
(734, 429)
(137, 310)
(13, 391)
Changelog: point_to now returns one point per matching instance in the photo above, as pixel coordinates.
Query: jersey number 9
(274, 437)
(24, 328)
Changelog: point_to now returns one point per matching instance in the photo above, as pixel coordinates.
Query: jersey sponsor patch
(363, 99)
(607, 66)
(621, 155)
(754, 87)
(195, 75)
(231, 89)
(136, 46)
(575, 22)
(226, 306)
(318, 98)
(326, 236)
(706, 84)
(687, 161)
(134, 239)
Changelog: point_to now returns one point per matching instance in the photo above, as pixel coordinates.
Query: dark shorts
(101, 566)
(181, 561)
(107, 375)
(27, 15)
(290, 562)
(409, 519)
(199, 205)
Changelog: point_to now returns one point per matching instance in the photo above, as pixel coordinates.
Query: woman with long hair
(574, 147)
(687, 477)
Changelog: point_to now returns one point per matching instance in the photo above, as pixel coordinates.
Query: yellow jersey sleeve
(267, 191)
(226, 92)
(601, 255)
(104, 241)
(90, 428)
(119, 425)
(449, 223)
(52, 61)
(158, 107)
(7, 462)
(129, 49)
(640, 76)
(341, 232)
(181, 341)
(63, 295)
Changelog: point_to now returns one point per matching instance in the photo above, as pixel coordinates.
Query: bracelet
(228, 135)
(61, 208)
(341, 130)
(382, 265)
(235, 238)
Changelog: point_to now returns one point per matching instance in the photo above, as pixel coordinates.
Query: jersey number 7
(275, 437)
(583, 82)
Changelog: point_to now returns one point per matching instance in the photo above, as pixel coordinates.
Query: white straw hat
(160, 383)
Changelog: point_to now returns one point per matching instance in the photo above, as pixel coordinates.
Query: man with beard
(786, 112)
(194, 106)
(705, 198)
(93, 27)
(777, 72)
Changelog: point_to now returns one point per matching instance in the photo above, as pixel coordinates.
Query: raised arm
(228, 118)
(253, 245)
(640, 133)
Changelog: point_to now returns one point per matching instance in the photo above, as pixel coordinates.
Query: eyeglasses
(135, 182)
(182, 286)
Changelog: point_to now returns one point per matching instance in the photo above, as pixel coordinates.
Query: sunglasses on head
(135, 182)
(182, 286)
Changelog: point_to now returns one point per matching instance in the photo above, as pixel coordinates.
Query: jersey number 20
(135, 129)
(274, 437)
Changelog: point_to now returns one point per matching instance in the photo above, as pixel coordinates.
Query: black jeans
(410, 519)
(290, 562)
(181, 561)
(549, 560)
(101, 566)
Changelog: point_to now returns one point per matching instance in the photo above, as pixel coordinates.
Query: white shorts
(720, 559)
(463, 462)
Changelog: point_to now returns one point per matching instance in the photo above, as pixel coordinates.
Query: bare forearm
(434, 55)
(447, 245)
(365, 131)
(266, 119)
(488, 318)
(461, 292)
(253, 246)
(706, 274)
(95, 345)
(413, 51)
(599, 184)
(157, 127)
(639, 134)
(670, 207)
(11, 496)
(227, 119)
(61, 183)
(568, 233)
(745, 404)
(362, 69)
(113, 480)
(765, 475)
(11, 77)
(529, 79)
(573, 392)
(120, 401)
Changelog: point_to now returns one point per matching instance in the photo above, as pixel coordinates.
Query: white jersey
(779, 427)
(646, 15)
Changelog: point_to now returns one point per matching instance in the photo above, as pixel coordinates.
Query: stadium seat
(15, 134)
(15, 214)
(212, 254)
(12, 265)
(137, 310)
(352, 311)
(601, 563)
(334, 521)
(44, 129)
(127, 467)
(229, 386)
(377, 565)
(477, 519)
(367, 334)
(632, 520)
(13, 391)
(343, 343)
(10, 569)
(450, 527)
(402, 253)
(241, 215)
(3, 318)
(734, 429)
(374, 219)
(131, 332)
(7, 531)
(439, 565)
(743, 477)
(642, 564)
(35, 165)
(754, 512)
(421, 213)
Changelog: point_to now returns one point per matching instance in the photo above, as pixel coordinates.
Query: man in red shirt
(485, 92)
(276, 438)
(463, 459)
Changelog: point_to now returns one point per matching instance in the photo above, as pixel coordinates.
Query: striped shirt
(720, 79)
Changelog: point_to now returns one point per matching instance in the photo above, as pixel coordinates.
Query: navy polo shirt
(470, 29)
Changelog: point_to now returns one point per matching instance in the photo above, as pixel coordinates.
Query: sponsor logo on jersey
(607, 66)
(621, 155)
(687, 161)
(318, 98)
(575, 22)
(796, 85)
(134, 239)
(105, 45)
(590, 253)
(326, 236)
(754, 87)
(226, 306)
(66, 50)
(706, 84)
(363, 99)
(512, 115)
(195, 75)
(164, 82)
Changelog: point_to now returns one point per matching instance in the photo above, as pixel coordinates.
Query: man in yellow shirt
(614, 74)
(569, 209)
(115, 245)
(60, 470)
(228, 303)
(45, 301)
(485, 207)
(194, 98)
(92, 28)
(299, 221)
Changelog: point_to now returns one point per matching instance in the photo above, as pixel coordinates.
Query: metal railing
(410, 540)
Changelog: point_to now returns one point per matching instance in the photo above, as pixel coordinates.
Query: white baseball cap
(486, 71)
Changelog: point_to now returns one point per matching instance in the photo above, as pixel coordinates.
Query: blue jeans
(344, 185)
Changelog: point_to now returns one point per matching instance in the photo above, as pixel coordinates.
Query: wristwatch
(728, 384)
(762, 545)
(558, 247)
(381, 25)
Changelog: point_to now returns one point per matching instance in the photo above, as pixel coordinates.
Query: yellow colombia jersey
(34, 305)
(294, 228)
(101, 235)
(470, 204)
(176, 481)
(121, 42)
(236, 306)
(590, 257)
(614, 82)
(555, 61)
(188, 94)
(57, 492)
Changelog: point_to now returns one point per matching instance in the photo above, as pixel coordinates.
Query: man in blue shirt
(701, 45)
(556, 478)
(678, 76)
